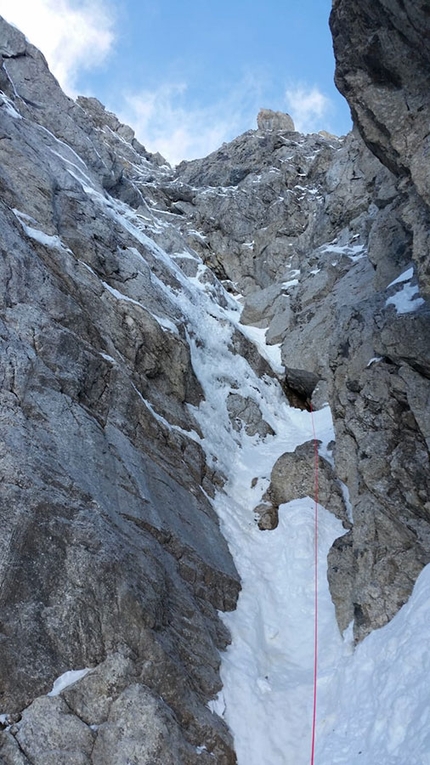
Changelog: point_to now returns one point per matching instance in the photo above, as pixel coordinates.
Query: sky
(188, 75)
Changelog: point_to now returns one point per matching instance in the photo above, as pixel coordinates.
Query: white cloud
(78, 35)
(164, 120)
(73, 34)
(308, 107)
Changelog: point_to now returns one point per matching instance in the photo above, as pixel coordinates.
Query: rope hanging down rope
(315, 678)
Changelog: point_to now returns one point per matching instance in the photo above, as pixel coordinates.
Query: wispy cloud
(74, 35)
(165, 119)
(78, 35)
(308, 107)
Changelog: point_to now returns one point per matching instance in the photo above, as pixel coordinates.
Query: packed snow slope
(165, 334)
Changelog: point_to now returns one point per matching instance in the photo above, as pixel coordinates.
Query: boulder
(270, 120)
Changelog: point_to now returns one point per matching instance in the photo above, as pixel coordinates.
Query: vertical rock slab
(382, 54)
(110, 545)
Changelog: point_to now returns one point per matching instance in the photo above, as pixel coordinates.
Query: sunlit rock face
(111, 554)
(269, 120)
(122, 284)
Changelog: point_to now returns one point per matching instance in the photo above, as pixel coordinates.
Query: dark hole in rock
(298, 386)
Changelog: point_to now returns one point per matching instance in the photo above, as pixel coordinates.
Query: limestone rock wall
(382, 54)
(111, 555)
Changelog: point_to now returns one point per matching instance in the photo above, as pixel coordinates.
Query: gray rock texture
(111, 557)
(382, 54)
(270, 120)
(245, 413)
(293, 477)
(256, 205)
(382, 62)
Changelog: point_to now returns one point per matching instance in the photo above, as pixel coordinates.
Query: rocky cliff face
(111, 552)
(382, 62)
(383, 55)
(112, 266)
(315, 235)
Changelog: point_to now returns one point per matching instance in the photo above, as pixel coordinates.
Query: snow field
(379, 695)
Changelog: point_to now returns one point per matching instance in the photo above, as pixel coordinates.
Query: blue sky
(190, 74)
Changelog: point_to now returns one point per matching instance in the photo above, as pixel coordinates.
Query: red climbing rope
(314, 709)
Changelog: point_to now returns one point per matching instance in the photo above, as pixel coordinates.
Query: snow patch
(267, 669)
(374, 360)
(406, 300)
(66, 679)
(161, 320)
(159, 417)
(120, 295)
(197, 234)
(108, 358)
(347, 500)
(85, 265)
(375, 706)
(76, 168)
(257, 335)
(353, 251)
(406, 276)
